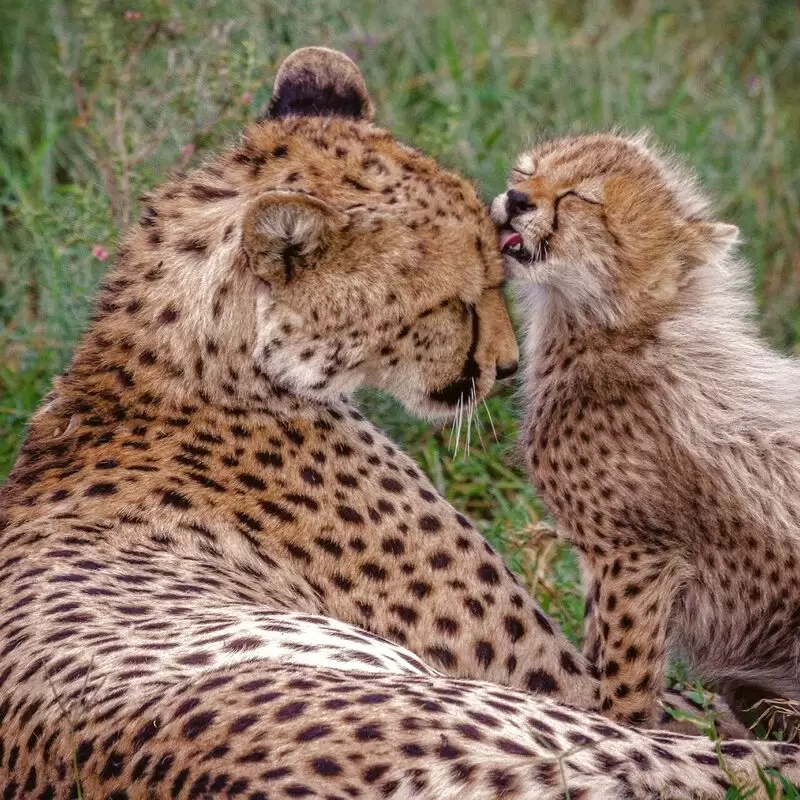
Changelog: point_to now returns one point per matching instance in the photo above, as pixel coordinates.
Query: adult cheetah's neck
(107, 441)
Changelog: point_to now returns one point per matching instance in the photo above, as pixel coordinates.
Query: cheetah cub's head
(373, 265)
(614, 229)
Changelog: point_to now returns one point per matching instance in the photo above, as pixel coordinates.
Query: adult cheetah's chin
(449, 402)
(456, 394)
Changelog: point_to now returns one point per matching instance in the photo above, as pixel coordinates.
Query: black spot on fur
(541, 682)
(172, 498)
(168, 315)
(274, 510)
(97, 489)
(210, 193)
(249, 521)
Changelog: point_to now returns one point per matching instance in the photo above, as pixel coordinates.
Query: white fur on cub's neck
(727, 394)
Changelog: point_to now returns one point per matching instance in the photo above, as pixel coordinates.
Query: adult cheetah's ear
(712, 241)
(284, 232)
(318, 82)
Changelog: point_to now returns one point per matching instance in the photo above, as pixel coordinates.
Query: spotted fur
(210, 561)
(660, 431)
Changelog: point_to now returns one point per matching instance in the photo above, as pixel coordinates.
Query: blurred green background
(100, 99)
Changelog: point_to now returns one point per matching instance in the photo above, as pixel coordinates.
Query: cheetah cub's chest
(663, 436)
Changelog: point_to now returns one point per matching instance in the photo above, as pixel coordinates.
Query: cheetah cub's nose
(517, 203)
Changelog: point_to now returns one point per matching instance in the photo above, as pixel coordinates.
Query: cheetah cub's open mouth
(522, 239)
(511, 245)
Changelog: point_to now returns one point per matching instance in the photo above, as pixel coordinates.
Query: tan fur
(661, 433)
(203, 538)
(210, 560)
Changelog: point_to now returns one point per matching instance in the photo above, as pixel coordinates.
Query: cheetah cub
(662, 434)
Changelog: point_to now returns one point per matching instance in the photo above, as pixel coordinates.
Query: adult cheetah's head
(331, 255)
(375, 265)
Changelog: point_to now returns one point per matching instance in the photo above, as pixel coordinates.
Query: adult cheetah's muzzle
(463, 387)
(506, 370)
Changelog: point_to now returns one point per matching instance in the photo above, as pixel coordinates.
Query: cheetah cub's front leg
(627, 629)
(663, 436)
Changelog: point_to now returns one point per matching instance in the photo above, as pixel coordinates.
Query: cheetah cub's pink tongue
(509, 240)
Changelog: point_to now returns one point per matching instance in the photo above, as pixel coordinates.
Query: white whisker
(478, 422)
(458, 425)
(470, 409)
(491, 421)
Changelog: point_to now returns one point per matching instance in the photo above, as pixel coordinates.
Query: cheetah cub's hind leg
(662, 435)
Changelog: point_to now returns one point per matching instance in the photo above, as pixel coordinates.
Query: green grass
(97, 104)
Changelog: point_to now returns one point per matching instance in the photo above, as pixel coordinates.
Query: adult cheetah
(661, 432)
(204, 543)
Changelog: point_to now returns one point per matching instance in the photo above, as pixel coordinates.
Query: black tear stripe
(290, 252)
(462, 386)
(307, 94)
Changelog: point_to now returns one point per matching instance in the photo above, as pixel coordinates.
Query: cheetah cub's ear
(318, 82)
(284, 232)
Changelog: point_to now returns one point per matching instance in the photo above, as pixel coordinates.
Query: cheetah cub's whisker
(662, 434)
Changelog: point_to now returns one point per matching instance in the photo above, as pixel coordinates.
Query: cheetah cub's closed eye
(661, 433)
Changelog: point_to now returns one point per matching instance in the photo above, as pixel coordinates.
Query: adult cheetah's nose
(506, 370)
